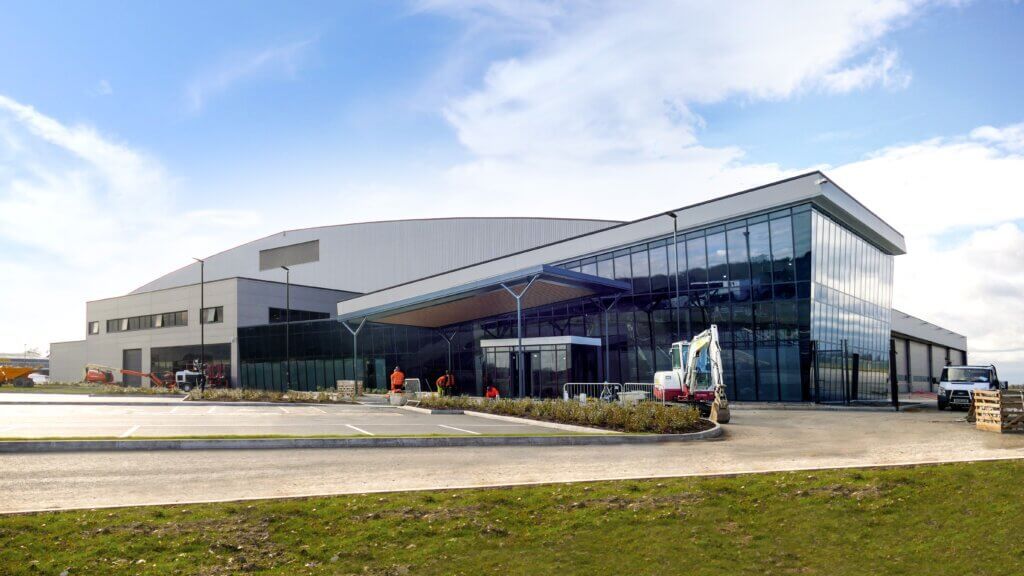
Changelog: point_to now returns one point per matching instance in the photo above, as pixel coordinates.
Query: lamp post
(675, 257)
(287, 326)
(202, 323)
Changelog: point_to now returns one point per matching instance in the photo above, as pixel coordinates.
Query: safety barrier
(609, 391)
(640, 391)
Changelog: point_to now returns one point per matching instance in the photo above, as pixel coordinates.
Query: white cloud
(621, 78)
(1009, 138)
(281, 61)
(84, 217)
(103, 88)
(598, 108)
(882, 69)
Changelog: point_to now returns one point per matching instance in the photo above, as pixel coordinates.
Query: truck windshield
(973, 375)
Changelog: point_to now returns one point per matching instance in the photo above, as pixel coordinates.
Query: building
(797, 275)
(156, 328)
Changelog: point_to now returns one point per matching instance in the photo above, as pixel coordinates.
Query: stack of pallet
(999, 410)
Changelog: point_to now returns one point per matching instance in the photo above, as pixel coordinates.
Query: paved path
(196, 419)
(758, 440)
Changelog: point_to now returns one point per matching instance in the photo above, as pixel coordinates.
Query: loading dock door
(131, 359)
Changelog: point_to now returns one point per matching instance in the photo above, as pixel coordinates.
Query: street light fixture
(675, 256)
(202, 324)
(287, 326)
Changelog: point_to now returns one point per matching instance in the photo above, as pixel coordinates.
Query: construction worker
(490, 390)
(397, 380)
(446, 383)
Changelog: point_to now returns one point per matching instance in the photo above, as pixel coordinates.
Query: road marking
(283, 409)
(212, 408)
(175, 409)
(359, 430)
(459, 429)
(320, 410)
(129, 432)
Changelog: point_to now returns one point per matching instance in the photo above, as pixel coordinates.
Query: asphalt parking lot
(76, 420)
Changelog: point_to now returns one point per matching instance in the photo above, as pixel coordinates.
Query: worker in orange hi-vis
(446, 383)
(398, 380)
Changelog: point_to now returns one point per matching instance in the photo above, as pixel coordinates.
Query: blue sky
(152, 132)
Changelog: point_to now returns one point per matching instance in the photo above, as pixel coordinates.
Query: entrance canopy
(543, 285)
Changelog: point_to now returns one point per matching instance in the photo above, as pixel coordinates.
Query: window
(143, 322)
(212, 315)
(277, 315)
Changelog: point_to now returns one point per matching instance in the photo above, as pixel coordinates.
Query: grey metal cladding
(291, 255)
(369, 256)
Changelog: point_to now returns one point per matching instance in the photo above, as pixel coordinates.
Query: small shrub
(642, 417)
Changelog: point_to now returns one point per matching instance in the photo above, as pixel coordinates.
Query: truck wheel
(943, 404)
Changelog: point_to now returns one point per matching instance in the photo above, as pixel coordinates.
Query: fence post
(846, 379)
(814, 368)
(894, 386)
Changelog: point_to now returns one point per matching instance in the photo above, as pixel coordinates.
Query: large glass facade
(851, 313)
(751, 277)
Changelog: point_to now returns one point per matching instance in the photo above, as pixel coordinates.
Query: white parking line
(130, 431)
(458, 429)
(360, 430)
(212, 408)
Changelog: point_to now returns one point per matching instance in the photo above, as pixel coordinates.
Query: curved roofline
(613, 222)
(650, 217)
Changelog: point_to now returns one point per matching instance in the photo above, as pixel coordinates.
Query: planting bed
(644, 417)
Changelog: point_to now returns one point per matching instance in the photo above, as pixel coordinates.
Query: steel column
(519, 331)
(355, 347)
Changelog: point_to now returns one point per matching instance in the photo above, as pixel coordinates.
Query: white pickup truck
(958, 383)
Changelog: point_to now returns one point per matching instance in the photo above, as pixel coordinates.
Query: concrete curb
(555, 425)
(182, 396)
(419, 410)
(187, 403)
(514, 420)
(37, 446)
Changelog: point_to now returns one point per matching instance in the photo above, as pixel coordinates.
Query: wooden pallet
(999, 410)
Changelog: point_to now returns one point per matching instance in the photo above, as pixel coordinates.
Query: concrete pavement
(142, 420)
(756, 441)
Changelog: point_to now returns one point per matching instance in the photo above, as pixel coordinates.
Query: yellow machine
(12, 373)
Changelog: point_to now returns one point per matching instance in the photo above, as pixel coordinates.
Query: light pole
(287, 327)
(675, 257)
(202, 324)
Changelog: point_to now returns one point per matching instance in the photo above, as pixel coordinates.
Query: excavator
(696, 376)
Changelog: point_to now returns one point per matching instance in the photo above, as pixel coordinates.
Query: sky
(135, 136)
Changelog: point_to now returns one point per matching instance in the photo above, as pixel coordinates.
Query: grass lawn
(951, 519)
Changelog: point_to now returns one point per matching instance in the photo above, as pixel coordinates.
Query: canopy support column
(519, 331)
(355, 346)
(448, 339)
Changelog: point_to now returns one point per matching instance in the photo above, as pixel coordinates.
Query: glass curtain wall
(751, 277)
(852, 312)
